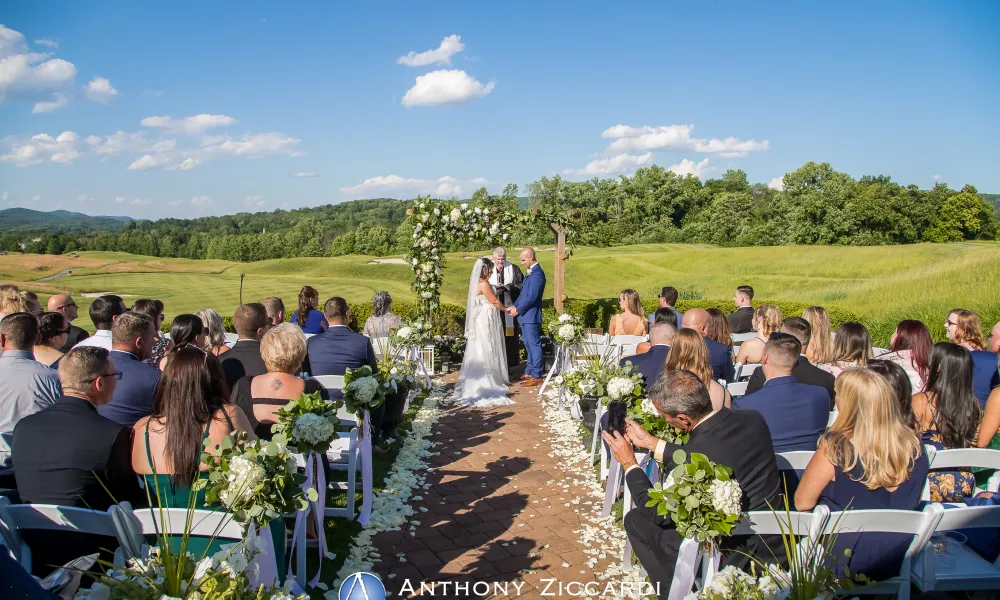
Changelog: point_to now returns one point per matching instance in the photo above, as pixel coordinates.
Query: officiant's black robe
(508, 292)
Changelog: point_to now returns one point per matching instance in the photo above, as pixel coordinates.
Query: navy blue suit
(338, 349)
(795, 413)
(133, 397)
(529, 315)
(720, 357)
(650, 364)
(985, 376)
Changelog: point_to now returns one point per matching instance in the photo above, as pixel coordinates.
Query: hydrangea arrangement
(566, 330)
(257, 481)
(309, 423)
(733, 584)
(363, 390)
(646, 415)
(223, 576)
(702, 498)
(415, 333)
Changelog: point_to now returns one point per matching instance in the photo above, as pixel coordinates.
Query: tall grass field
(882, 284)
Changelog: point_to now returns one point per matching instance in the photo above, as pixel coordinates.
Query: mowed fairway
(881, 283)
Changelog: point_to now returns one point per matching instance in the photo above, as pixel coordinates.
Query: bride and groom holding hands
(496, 296)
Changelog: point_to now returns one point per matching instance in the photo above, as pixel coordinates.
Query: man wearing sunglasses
(63, 303)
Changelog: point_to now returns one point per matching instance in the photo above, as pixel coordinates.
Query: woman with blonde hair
(964, 328)
(766, 320)
(216, 330)
(688, 352)
(631, 321)
(869, 459)
(852, 347)
(10, 300)
(820, 349)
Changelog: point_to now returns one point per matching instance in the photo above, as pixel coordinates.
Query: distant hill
(993, 199)
(21, 219)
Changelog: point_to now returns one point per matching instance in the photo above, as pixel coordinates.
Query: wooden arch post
(560, 266)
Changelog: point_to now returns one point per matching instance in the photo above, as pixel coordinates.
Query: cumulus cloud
(254, 201)
(120, 199)
(42, 148)
(382, 185)
(305, 174)
(142, 201)
(58, 101)
(27, 75)
(450, 46)
(202, 201)
(148, 161)
(689, 167)
(185, 165)
(47, 43)
(936, 178)
(192, 125)
(616, 164)
(4, 196)
(253, 146)
(36, 198)
(677, 138)
(778, 183)
(100, 90)
(445, 87)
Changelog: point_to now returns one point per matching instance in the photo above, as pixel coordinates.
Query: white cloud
(678, 138)
(43, 147)
(154, 93)
(936, 178)
(382, 185)
(252, 146)
(100, 90)
(58, 101)
(177, 202)
(84, 199)
(31, 76)
(450, 46)
(142, 201)
(47, 42)
(445, 87)
(615, 164)
(778, 183)
(185, 165)
(305, 174)
(254, 201)
(148, 161)
(195, 124)
(201, 201)
(36, 198)
(4, 196)
(120, 199)
(689, 167)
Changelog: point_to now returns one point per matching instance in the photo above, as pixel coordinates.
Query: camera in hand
(616, 417)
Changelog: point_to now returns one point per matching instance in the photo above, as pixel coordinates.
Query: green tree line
(818, 205)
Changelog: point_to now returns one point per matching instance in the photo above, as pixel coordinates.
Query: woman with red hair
(911, 349)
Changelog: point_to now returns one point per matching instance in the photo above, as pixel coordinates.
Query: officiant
(506, 280)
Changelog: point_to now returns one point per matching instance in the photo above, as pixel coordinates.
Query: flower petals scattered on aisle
(392, 507)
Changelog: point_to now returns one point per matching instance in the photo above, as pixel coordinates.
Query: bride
(483, 380)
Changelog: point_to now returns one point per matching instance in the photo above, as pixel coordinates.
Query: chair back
(745, 371)
(739, 338)
(308, 335)
(985, 458)
(738, 389)
(231, 339)
(330, 382)
(132, 526)
(778, 522)
(796, 460)
(379, 344)
(966, 570)
(15, 518)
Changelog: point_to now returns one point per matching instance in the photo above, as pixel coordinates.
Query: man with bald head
(719, 355)
(64, 304)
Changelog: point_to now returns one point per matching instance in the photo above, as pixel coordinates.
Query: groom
(528, 310)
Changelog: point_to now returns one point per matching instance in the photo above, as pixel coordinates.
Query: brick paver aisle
(496, 509)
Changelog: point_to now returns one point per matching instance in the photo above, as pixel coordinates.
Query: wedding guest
(910, 349)
(186, 330)
(803, 371)
(53, 329)
(741, 321)
(650, 364)
(215, 331)
(275, 310)
(899, 381)
(660, 315)
(260, 396)
(964, 328)
(869, 459)
(68, 454)
(64, 304)
(382, 322)
(10, 299)
(668, 298)
(161, 344)
(133, 338)
(28, 386)
(30, 303)
(737, 439)
(689, 352)
(948, 416)
(718, 327)
(307, 317)
(852, 347)
(766, 320)
(820, 349)
(989, 428)
(630, 321)
(994, 339)
(245, 357)
(796, 413)
(719, 355)
(103, 312)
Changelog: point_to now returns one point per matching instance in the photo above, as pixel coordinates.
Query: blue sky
(185, 109)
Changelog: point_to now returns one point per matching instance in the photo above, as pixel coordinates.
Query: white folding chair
(745, 371)
(879, 351)
(231, 339)
(739, 338)
(961, 458)
(15, 518)
(920, 525)
(833, 417)
(330, 382)
(596, 338)
(134, 526)
(964, 569)
(796, 460)
(738, 389)
(309, 335)
(798, 523)
(628, 343)
(378, 344)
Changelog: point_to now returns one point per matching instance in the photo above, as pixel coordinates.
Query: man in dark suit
(739, 440)
(719, 355)
(244, 357)
(64, 303)
(132, 339)
(741, 321)
(650, 364)
(803, 371)
(528, 310)
(796, 413)
(68, 454)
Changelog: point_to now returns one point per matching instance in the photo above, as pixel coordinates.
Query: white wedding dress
(483, 381)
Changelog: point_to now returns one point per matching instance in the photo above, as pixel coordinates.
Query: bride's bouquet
(567, 330)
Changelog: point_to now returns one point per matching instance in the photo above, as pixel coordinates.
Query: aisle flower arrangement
(701, 498)
(415, 333)
(396, 371)
(363, 390)
(733, 584)
(646, 415)
(567, 330)
(309, 423)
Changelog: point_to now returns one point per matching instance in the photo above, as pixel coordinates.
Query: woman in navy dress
(869, 459)
(307, 317)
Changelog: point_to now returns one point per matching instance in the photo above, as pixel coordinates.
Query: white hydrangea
(415, 262)
(403, 333)
(312, 429)
(565, 318)
(455, 215)
(426, 295)
(726, 496)
(649, 408)
(424, 242)
(364, 389)
(620, 387)
(567, 332)
(465, 205)
(243, 478)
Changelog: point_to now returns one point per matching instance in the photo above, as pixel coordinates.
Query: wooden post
(560, 267)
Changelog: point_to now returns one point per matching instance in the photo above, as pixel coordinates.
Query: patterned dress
(946, 486)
